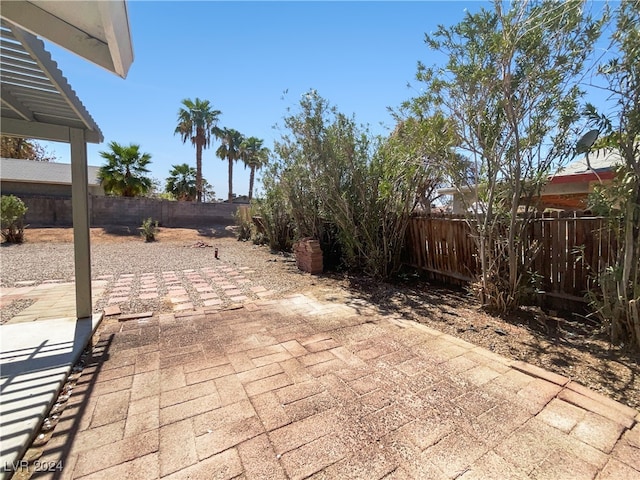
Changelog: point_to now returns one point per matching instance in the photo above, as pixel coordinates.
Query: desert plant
(274, 212)
(340, 185)
(617, 302)
(149, 230)
(510, 86)
(244, 223)
(13, 211)
(260, 238)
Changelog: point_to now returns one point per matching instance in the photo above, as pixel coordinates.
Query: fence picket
(571, 249)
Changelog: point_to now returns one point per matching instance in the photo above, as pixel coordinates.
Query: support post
(81, 231)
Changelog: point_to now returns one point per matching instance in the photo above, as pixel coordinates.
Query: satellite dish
(586, 142)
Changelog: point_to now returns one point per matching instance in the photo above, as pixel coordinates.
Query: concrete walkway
(35, 360)
(300, 388)
(51, 300)
(38, 348)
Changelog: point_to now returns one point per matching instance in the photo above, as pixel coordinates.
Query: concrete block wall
(56, 211)
(47, 211)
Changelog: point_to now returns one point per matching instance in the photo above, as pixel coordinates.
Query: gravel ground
(38, 262)
(7, 312)
(54, 261)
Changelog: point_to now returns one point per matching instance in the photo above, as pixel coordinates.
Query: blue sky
(242, 57)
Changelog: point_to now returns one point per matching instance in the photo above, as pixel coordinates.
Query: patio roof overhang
(38, 102)
(97, 31)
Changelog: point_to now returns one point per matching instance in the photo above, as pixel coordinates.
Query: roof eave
(583, 177)
(114, 52)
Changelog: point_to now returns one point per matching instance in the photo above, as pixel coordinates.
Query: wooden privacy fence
(571, 249)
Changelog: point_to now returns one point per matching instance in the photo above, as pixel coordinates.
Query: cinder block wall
(50, 211)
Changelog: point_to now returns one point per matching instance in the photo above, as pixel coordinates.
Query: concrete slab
(35, 360)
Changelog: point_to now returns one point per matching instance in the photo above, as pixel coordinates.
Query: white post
(81, 232)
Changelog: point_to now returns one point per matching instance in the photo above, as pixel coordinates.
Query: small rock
(500, 331)
(40, 440)
(47, 425)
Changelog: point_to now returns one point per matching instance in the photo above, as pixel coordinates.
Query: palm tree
(196, 119)
(254, 156)
(125, 171)
(229, 149)
(182, 182)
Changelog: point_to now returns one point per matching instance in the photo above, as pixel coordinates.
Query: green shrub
(274, 214)
(13, 211)
(338, 184)
(244, 223)
(149, 230)
(260, 238)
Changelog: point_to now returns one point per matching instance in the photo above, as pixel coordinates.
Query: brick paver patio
(298, 388)
(209, 286)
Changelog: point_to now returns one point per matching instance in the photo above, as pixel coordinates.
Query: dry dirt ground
(568, 345)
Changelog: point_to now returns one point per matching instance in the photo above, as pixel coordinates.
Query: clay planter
(308, 255)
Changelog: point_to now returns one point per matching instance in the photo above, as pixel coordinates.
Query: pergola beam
(14, 104)
(43, 131)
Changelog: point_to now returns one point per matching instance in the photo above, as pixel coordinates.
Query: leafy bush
(149, 230)
(13, 211)
(273, 210)
(260, 238)
(618, 302)
(338, 184)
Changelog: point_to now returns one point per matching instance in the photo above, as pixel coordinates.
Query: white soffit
(37, 100)
(96, 30)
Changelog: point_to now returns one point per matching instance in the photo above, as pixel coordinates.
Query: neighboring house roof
(30, 171)
(238, 199)
(602, 163)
